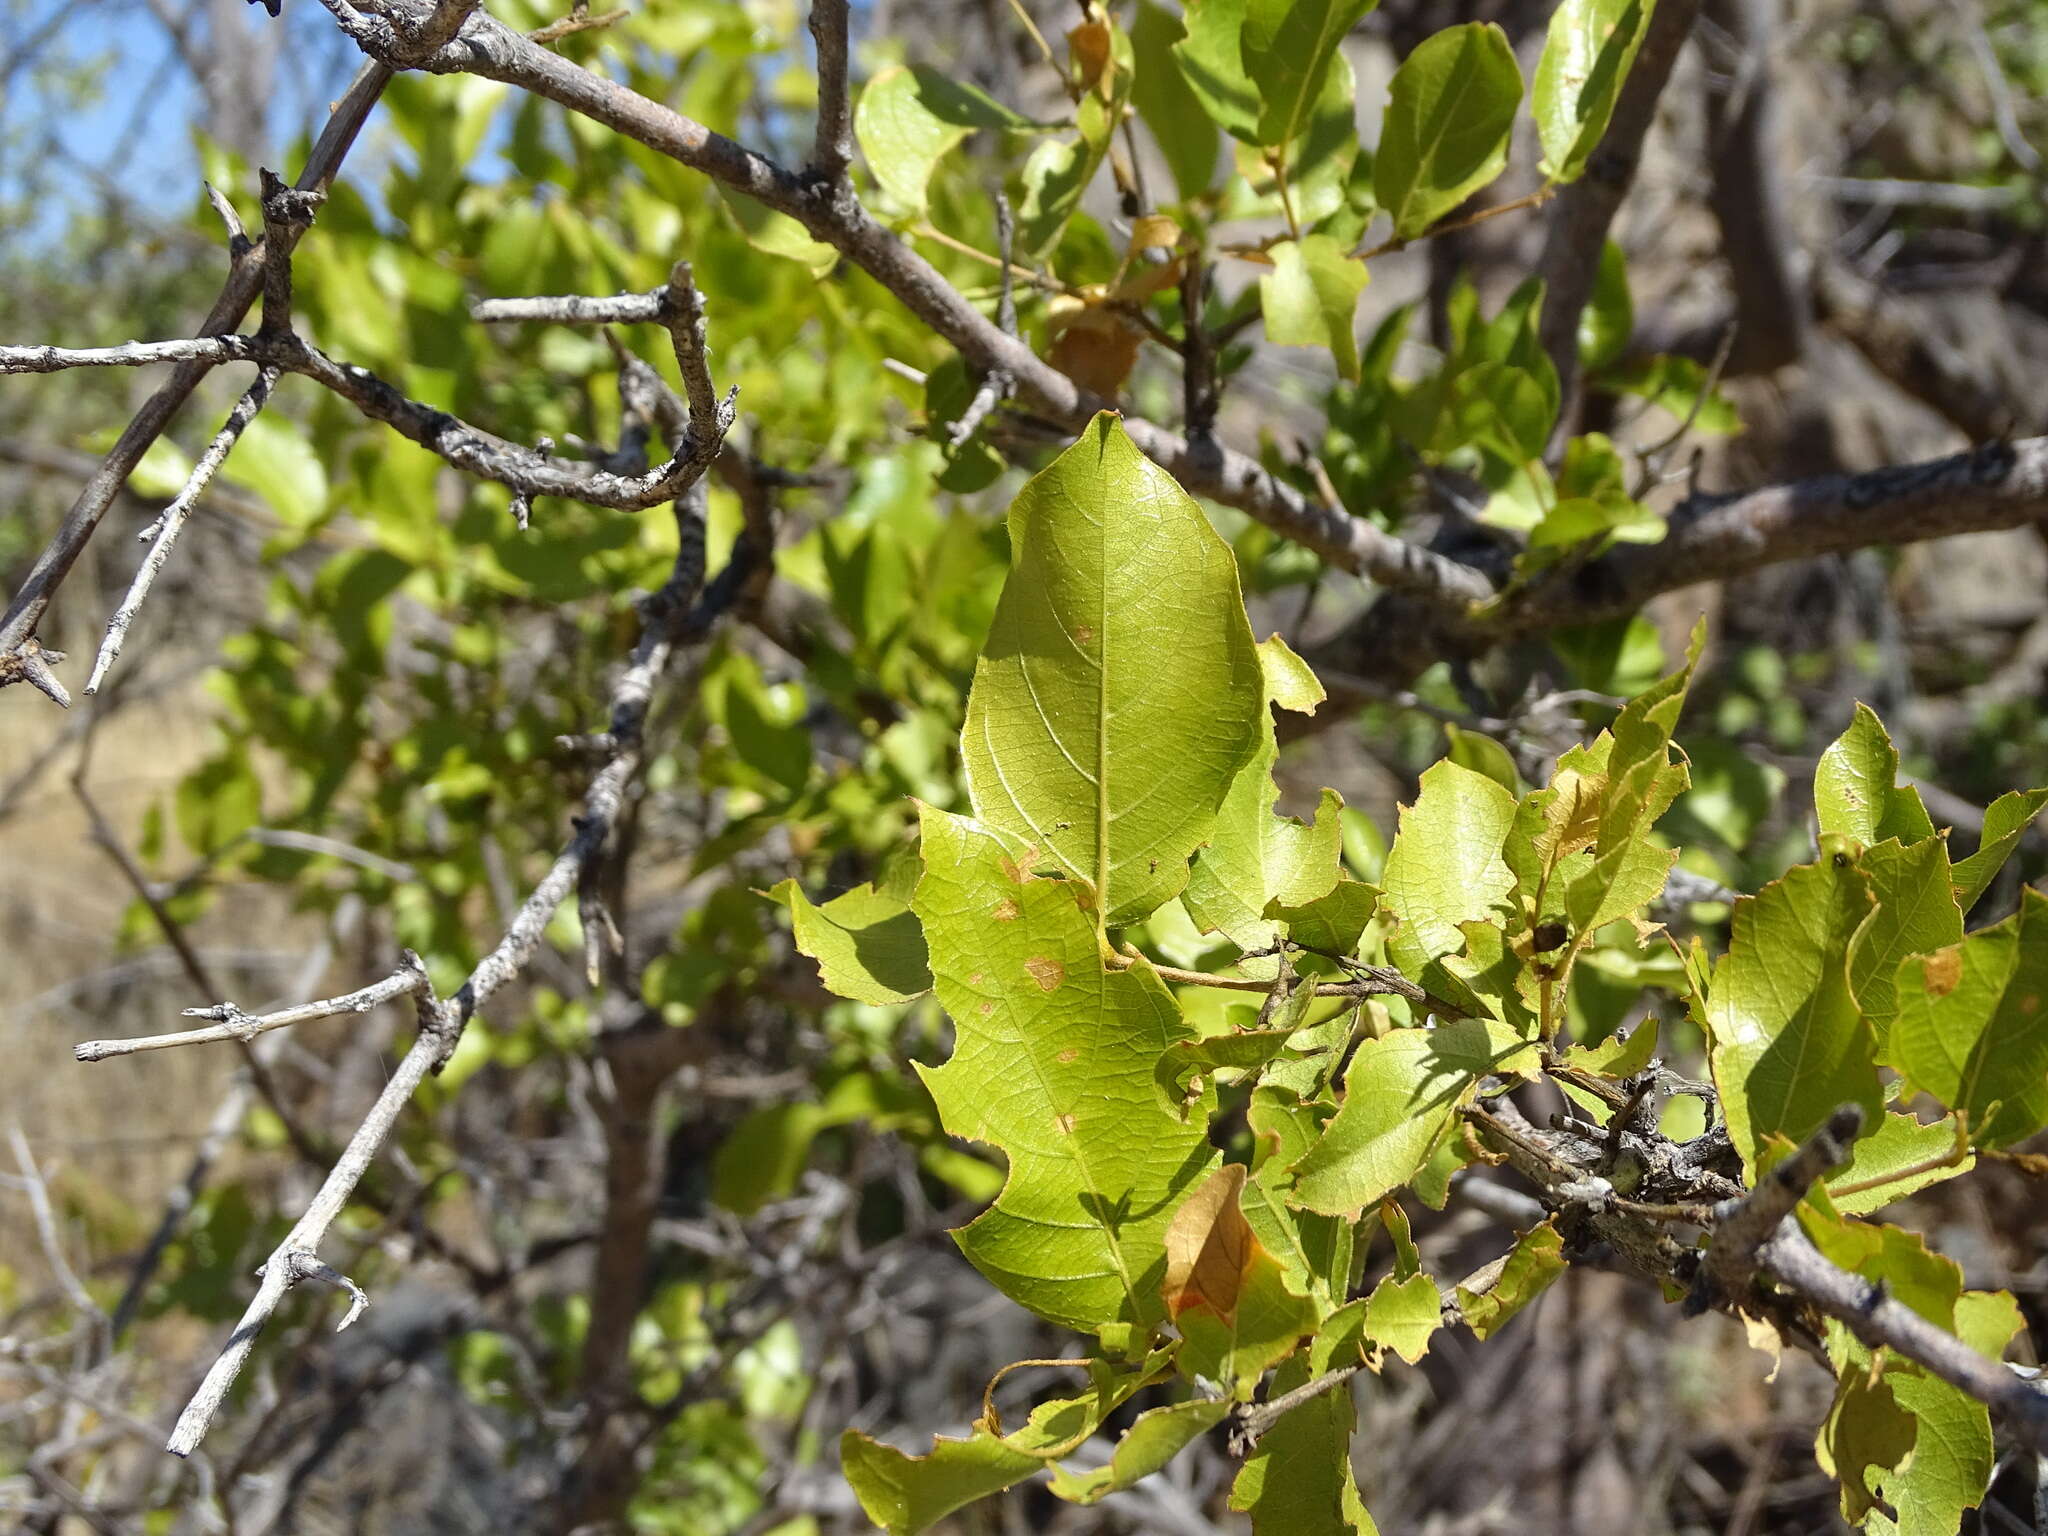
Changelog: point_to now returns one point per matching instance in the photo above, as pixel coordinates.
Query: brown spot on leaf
(975, 980)
(1083, 634)
(1943, 969)
(987, 1008)
(1006, 911)
(1046, 971)
(1071, 1053)
(1065, 1124)
(1018, 870)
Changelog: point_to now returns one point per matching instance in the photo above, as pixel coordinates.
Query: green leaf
(1315, 1251)
(1972, 1026)
(275, 459)
(1450, 113)
(1617, 1056)
(218, 801)
(1952, 1461)
(1333, 923)
(1155, 1437)
(1609, 318)
(1291, 684)
(1310, 297)
(1053, 1063)
(1119, 692)
(912, 116)
(162, 471)
(1180, 125)
(2004, 824)
(1902, 1153)
(1482, 754)
(1211, 61)
(1916, 914)
(906, 1494)
(1638, 785)
(1854, 793)
(1401, 1094)
(1865, 1435)
(867, 944)
(1404, 1315)
(1789, 1045)
(1536, 1259)
(1679, 386)
(1288, 47)
(1586, 56)
(1445, 866)
(1191, 1062)
(1255, 860)
(1297, 1481)
(765, 1154)
(777, 234)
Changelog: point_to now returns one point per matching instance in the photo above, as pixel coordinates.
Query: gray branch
(171, 521)
(834, 145)
(245, 280)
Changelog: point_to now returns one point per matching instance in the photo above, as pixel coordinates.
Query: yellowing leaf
(1119, 692)
(1226, 1292)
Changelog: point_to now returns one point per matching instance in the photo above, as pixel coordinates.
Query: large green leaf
(1287, 47)
(1445, 866)
(1310, 298)
(1119, 692)
(1183, 129)
(1789, 1045)
(1449, 116)
(2005, 823)
(1972, 1025)
(1854, 793)
(910, 117)
(1586, 57)
(1401, 1093)
(1211, 60)
(1053, 1063)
